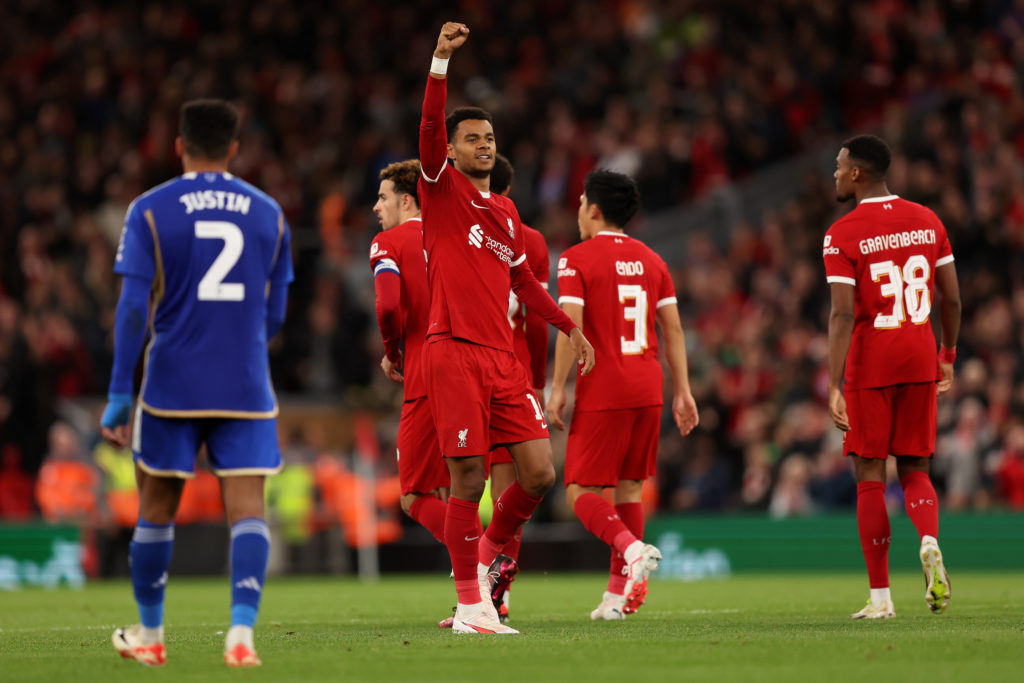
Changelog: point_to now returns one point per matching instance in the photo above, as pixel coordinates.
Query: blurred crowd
(689, 97)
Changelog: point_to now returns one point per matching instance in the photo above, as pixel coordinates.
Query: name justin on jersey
(215, 199)
(895, 240)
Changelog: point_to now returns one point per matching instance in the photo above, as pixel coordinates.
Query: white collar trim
(613, 233)
(878, 200)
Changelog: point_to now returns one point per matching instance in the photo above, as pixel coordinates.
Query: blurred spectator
(200, 498)
(16, 486)
(791, 497)
(120, 492)
(833, 485)
(959, 454)
(291, 495)
(68, 487)
(1007, 466)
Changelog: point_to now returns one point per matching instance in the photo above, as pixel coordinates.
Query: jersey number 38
(909, 288)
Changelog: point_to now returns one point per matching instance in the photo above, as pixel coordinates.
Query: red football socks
(632, 515)
(873, 525)
(512, 547)
(430, 513)
(462, 533)
(922, 503)
(513, 509)
(600, 519)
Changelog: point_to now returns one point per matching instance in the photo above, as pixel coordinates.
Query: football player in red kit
(616, 288)
(884, 261)
(479, 393)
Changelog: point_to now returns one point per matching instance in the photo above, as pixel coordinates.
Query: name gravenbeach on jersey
(895, 240)
(216, 199)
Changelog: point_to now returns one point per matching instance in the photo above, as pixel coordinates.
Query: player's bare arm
(840, 333)
(684, 408)
(453, 36)
(949, 315)
(563, 363)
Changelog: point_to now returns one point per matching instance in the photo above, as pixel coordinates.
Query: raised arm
(433, 138)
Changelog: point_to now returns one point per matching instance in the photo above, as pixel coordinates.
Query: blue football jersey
(211, 244)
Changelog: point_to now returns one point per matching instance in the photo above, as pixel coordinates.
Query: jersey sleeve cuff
(841, 279)
(667, 301)
(519, 261)
(948, 258)
(570, 300)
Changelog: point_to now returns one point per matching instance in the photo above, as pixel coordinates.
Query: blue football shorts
(167, 446)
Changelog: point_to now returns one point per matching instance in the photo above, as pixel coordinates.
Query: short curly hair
(405, 175)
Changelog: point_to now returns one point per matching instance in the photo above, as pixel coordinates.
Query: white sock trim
(239, 634)
(152, 635)
(880, 595)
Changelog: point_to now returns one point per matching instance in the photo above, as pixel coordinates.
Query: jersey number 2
(908, 286)
(212, 287)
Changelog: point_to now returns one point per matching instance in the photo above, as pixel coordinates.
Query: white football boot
(610, 609)
(883, 610)
(937, 590)
(479, 618)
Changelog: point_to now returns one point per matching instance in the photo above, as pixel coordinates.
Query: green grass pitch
(751, 627)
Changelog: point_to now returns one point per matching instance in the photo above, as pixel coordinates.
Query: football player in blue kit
(206, 262)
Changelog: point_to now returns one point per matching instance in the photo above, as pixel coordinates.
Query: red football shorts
(606, 446)
(896, 420)
(499, 456)
(480, 398)
(421, 469)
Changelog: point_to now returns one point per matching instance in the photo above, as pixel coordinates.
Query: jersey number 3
(212, 287)
(908, 286)
(636, 314)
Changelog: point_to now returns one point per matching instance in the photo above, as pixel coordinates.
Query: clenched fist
(453, 35)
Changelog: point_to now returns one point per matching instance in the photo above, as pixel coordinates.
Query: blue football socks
(150, 552)
(250, 547)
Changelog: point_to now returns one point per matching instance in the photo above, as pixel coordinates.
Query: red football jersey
(620, 282)
(472, 239)
(888, 249)
(400, 250)
(530, 330)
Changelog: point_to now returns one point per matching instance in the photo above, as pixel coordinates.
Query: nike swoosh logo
(472, 539)
(478, 206)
